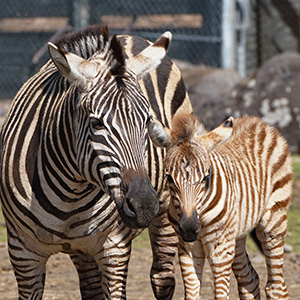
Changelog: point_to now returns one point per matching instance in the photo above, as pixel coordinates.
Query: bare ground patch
(62, 282)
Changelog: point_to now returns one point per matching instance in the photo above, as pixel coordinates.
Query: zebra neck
(58, 146)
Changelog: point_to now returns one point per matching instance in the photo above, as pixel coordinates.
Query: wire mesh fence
(278, 27)
(26, 26)
(262, 28)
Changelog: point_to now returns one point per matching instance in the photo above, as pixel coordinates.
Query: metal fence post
(243, 24)
(228, 34)
(81, 14)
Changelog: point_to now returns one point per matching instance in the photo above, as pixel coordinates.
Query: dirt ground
(62, 282)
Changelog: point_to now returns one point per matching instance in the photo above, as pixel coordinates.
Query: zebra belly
(45, 242)
(249, 214)
(57, 222)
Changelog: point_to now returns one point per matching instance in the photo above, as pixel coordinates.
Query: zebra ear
(217, 136)
(72, 66)
(150, 57)
(160, 135)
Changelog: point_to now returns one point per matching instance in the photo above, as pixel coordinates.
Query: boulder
(209, 89)
(273, 94)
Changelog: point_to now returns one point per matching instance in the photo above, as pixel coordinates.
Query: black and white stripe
(77, 166)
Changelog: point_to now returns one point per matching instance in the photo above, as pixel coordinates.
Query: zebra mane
(94, 39)
(185, 127)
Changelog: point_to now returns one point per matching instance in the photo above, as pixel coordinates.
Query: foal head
(187, 166)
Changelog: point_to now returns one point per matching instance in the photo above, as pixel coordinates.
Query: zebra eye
(169, 179)
(96, 124)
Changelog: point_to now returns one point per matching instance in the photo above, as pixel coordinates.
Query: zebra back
(262, 170)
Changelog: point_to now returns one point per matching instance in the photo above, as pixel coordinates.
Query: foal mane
(185, 127)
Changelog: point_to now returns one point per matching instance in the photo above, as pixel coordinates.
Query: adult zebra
(224, 183)
(74, 164)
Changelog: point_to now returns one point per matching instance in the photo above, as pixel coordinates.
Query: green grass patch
(250, 245)
(2, 227)
(142, 240)
(293, 236)
(296, 167)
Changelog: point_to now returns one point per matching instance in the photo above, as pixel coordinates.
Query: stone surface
(273, 94)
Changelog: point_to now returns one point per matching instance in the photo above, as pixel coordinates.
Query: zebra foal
(223, 184)
(77, 172)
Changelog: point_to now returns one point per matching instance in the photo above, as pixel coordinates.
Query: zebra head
(188, 167)
(111, 116)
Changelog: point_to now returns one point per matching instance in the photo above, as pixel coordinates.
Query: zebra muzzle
(189, 227)
(140, 202)
(128, 208)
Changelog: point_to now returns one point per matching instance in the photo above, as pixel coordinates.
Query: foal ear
(72, 66)
(217, 136)
(160, 135)
(150, 57)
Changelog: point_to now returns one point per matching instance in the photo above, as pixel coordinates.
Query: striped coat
(77, 169)
(224, 183)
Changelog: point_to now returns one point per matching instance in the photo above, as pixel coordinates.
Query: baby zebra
(223, 184)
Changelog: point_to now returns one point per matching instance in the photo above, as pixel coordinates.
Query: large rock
(209, 89)
(273, 94)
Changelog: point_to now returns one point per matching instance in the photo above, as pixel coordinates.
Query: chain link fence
(259, 30)
(26, 27)
(278, 27)
(265, 28)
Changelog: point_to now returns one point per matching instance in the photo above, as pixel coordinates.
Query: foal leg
(271, 232)
(192, 259)
(220, 260)
(89, 276)
(246, 276)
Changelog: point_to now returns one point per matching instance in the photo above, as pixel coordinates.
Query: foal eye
(97, 123)
(205, 178)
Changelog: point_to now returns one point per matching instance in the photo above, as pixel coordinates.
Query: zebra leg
(192, 259)
(271, 232)
(113, 260)
(164, 243)
(246, 276)
(29, 267)
(89, 276)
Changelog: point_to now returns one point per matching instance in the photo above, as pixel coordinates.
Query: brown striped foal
(224, 183)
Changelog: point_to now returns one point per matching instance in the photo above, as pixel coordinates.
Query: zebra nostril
(198, 229)
(181, 231)
(128, 208)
